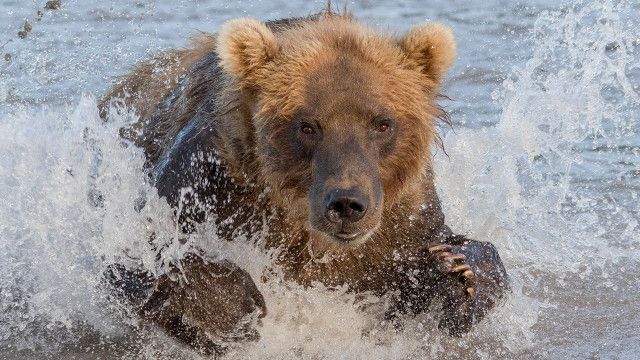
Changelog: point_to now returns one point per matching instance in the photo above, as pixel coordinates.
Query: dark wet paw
(207, 305)
(456, 287)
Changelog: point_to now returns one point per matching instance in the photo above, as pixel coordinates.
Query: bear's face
(344, 117)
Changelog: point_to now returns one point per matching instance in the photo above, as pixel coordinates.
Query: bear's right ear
(245, 45)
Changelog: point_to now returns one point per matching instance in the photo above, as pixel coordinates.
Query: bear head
(343, 117)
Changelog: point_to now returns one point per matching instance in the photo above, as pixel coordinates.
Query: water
(543, 160)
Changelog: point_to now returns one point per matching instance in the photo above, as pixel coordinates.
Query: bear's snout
(345, 205)
(346, 196)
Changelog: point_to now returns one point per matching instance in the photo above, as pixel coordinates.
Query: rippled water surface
(543, 160)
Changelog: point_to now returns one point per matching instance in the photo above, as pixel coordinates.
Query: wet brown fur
(257, 90)
(151, 81)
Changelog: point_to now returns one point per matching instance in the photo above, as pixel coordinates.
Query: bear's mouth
(352, 238)
(346, 237)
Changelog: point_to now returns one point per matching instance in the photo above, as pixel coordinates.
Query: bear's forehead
(343, 80)
(342, 88)
(337, 61)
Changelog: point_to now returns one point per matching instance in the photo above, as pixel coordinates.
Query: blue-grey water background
(543, 160)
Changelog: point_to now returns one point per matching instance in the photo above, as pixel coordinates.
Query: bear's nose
(345, 205)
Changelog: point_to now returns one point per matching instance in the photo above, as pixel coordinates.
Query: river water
(543, 160)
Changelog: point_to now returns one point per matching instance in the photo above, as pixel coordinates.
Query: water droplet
(53, 5)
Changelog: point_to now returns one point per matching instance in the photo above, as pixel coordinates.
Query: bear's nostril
(356, 207)
(338, 207)
(345, 205)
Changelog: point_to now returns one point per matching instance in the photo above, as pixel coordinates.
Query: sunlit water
(543, 160)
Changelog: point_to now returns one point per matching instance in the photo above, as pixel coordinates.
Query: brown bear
(311, 136)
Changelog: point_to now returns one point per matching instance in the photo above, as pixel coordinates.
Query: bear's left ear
(244, 46)
(432, 46)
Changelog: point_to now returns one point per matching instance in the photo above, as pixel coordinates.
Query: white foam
(514, 184)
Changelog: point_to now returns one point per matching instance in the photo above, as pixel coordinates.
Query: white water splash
(558, 112)
(554, 185)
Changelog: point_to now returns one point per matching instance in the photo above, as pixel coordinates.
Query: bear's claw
(456, 257)
(439, 247)
(449, 262)
(459, 290)
(468, 274)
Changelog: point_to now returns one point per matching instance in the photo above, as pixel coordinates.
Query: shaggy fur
(222, 118)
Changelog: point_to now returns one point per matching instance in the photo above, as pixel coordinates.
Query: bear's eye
(382, 126)
(307, 129)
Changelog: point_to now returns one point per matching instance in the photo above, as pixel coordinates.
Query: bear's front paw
(456, 286)
(207, 304)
